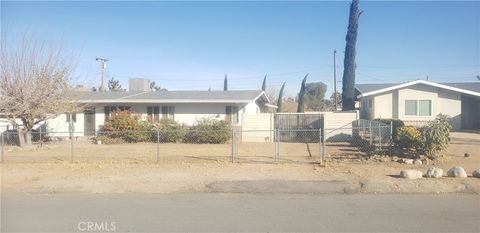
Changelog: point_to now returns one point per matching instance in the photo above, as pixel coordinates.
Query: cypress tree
(301, 96)
(264, 84)
(225, 83)
(280, 98)
(348, 81)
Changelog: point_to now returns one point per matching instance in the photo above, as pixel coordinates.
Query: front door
(89, 122)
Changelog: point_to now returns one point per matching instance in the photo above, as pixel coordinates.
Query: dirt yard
(190, 168)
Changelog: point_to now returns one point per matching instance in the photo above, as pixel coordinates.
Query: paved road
(240, 213)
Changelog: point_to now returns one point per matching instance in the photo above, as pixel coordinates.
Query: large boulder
(434, 172)
(411, 174)
(457, 172)
(476, 173)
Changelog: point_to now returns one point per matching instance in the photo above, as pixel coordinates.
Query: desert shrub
(171, 131)
(124, 125)
(396, 123)
(409, 139)
(209, 131)
(437, 136)
(108, 140)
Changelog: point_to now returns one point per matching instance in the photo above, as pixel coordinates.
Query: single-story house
(182, 106)
(422, 100)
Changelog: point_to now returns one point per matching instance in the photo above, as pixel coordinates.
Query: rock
(466, 155)
(457, 172)
(434, 172)
(394, 159)
(407, 161)
(476, 173)
(417, 162)
(411, 174)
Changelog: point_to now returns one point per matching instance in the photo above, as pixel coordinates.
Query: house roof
(235, 96)
(470, 88)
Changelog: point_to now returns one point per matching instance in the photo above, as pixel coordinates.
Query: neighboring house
(422, 100)
(182, 106)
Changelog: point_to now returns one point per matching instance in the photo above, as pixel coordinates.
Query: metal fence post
(71, 142)
(1, 155)
(233, 145)
(320, 143)
(323, 145)
(158, 146)
(391, 137)
(380, 136)
(277, 146)
(370, 133)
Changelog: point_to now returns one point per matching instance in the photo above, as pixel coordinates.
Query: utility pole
(335, 79)
(103, 66)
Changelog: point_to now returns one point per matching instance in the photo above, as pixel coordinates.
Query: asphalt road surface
(239, 213)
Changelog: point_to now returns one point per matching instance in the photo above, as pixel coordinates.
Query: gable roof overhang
(174, 97)
(399, 86)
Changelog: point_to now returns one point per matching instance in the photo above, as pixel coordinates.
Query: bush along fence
(208, 139)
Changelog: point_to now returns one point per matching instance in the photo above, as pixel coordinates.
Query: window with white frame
(71, 117)
(231, 114)
(168, 112)
(418, 107)
(153, 113)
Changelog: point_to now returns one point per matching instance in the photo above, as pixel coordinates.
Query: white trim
(419, 82)
(262, 93)
(159, 101)
(271, 106)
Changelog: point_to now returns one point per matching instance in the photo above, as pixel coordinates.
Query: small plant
(209, 131)
(409, 139)
(171, 131)
(437, 136)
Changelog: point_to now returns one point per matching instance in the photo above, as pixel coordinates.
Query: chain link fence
(360, 138)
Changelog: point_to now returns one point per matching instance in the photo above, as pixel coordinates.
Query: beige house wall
(392, 104)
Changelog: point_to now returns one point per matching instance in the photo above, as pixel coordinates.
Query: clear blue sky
(191, 45)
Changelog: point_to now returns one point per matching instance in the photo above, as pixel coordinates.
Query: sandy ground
(190, 168)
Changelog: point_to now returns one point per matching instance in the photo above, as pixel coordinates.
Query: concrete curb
(339, 187)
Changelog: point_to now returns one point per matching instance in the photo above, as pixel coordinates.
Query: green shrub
(171, 131)
(124, 125)
(108, 140)
(209, 131)
(396, 123)
(437, 136)
(409, 139)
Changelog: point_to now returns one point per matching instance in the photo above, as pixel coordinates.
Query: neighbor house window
(110, 109)
(231, 114)
(418, 107)
(168, 112)
(71, 117)
(153, 113)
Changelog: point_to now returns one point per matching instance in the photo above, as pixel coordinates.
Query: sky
(192, 45)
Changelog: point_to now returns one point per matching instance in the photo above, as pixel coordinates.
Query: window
(369, 103)
(153, 113)
(168, 112)
(110, 109)
(231, 114)
(71, 117)
(425, 107)
(410, 107)
(418, 107)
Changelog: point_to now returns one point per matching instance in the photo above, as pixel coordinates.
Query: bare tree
(34, 84)
(272, 93)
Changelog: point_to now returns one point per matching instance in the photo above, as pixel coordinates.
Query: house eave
(456, 89)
